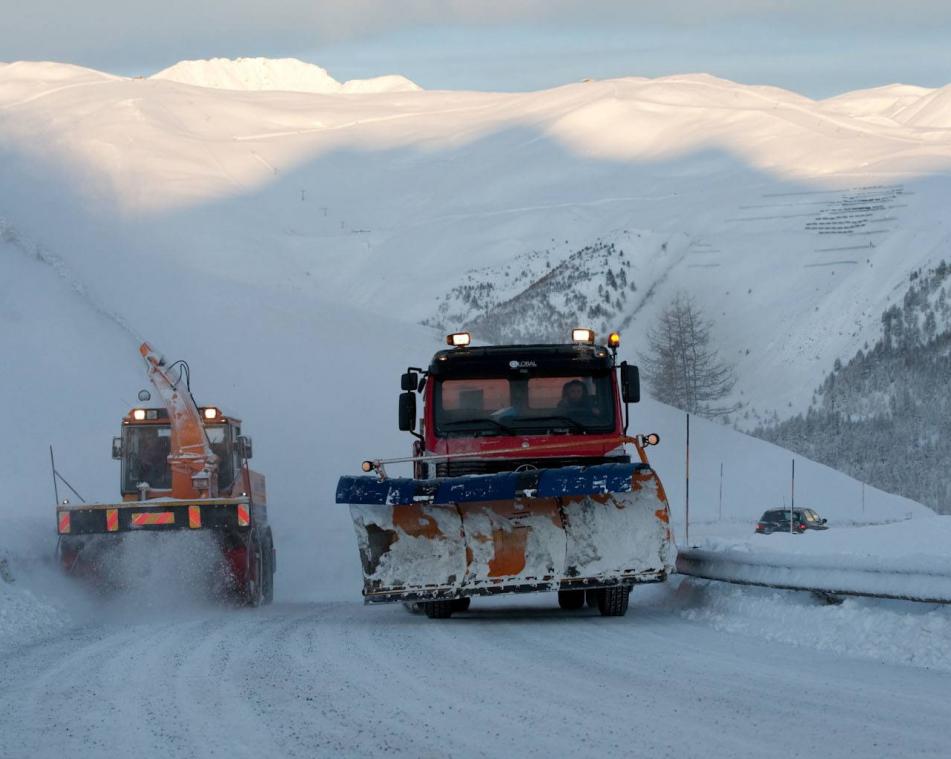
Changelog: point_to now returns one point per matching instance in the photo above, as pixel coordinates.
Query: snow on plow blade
(573, 527)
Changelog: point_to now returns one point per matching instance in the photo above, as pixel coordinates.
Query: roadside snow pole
(53, 470)
(792, 497)
(687, 493)
(720, 508)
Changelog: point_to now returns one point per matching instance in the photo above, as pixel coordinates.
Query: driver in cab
(152, 462)
(575, 400)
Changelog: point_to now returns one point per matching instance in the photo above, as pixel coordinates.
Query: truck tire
(613, 601)
(461, 604)
(268, 570)
(438, 609)
(571, 599)
(254, 580)
(591, 597)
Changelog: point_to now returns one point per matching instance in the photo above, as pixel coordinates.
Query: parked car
(777, 520)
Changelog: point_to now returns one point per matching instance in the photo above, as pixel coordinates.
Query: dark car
(777, 520)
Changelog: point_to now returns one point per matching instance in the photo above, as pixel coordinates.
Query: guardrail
(924, 580)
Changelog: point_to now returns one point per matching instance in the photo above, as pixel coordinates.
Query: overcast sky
(819, 48)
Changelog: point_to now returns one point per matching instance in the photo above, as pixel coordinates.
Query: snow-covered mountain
(283, 75)
(290, 244)
(792, 222)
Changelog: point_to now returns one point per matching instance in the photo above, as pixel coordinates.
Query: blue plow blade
(549, 529)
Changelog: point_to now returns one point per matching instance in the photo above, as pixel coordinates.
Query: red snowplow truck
(522, 483)
(183, 467)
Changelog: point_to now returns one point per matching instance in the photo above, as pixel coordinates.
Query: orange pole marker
(194, 517)
(112, 520)
(64, 522)
(244, 515)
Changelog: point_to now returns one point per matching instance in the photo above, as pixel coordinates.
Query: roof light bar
(582, 335)
(458, 339)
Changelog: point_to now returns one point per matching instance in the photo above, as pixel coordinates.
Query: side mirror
(824, 521)
(407, 411)
(409, 381)
(245, 449)
(630, 383)
(117, 447)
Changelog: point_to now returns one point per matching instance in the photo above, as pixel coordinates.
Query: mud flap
(509, 532)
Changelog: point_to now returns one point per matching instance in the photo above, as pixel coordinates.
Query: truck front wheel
(612, 602)
(438, 609)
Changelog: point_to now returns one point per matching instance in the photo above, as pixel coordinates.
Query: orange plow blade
(574, 527)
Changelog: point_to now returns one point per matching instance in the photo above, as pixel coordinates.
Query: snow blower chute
(522, 483)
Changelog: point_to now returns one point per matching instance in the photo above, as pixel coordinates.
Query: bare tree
(682, 368)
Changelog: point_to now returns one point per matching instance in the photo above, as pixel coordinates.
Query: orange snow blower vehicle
(522, 483)
(183, 467)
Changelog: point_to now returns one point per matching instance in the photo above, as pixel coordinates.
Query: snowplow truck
(183, 467)
(523, 482)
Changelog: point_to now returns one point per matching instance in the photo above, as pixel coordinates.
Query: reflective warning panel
(148, 518)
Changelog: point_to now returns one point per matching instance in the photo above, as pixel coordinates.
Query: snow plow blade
(538, 530)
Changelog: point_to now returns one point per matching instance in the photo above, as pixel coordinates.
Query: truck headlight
(582, 335)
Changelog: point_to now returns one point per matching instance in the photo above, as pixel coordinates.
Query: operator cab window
(146, 457)
(220, 438)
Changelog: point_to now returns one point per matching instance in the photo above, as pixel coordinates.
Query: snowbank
(906, 559)
(885, 631)
(905, 541)
(281, 74)
(25, 616)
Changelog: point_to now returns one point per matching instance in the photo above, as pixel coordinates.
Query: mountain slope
(790, 221)
(303, 235)
(882, 415)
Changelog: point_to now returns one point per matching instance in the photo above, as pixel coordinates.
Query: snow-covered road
(514, 677)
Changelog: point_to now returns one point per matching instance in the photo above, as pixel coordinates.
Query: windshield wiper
(573, 422)
(505, 428)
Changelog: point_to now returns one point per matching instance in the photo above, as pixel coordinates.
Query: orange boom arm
(194, 465)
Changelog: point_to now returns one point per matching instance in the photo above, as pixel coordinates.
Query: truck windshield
(146, 450)
(523, 405)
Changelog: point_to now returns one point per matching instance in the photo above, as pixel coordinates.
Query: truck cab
(523, 407)
(145, 443)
